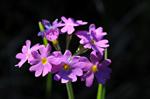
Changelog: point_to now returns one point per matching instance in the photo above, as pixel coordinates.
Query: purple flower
(26, 53)
(93, 39)
(51, 32)
(41, 62)
(69, 25)
(96, 68)
(70, 68)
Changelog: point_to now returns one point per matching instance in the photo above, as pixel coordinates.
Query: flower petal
(83, 36)
(57, 53)
(73, 77)
(33, 61)
(56, 68)
(46, 22)
(104, 63)
(70, 29)
(44, 51)
(98, 49)
(100, 78)
(35, 67)
(99, 33)
(102, 43)
(64, 29)
(95, 57)
(38, 72)
(20, 56)
(35, 55)
(77, 72)
(41, 34)
(88, 45)
(80, 22)
(104, 71)
(67, 54)
(89, 80)
(21, 62)
(54, 60)
(57, 77)
(28, 43)
(64, 80)
(24, 49)
(46, 69)
(74, 60)
(63, 19)
(36, 47)
(92, 28)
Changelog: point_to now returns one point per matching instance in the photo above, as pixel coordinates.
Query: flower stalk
(99, 92)
(49, 77)
(68, 39)
(69, 85)
(69, 90)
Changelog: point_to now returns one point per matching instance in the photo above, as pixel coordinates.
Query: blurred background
(127, 23)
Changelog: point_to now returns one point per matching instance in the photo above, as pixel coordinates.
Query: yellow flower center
(44, 61)
(66, 67)
(94, 68)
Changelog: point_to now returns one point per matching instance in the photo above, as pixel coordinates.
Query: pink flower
(69, 25)
(96, 67)
(41, 62)
(70, 68)
(93, 39)
(26, 53)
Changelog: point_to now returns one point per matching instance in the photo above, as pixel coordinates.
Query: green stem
(69, 85)
(42, 29)
(49, 77)
(103, 92)
(106, 54)
(99, 92)
(69, 90)
(68, 39)
(45, 41)
(48, 85)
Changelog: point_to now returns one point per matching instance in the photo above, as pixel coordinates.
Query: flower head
(69, 25)
(96, 68)
(70, 68)
(26, 55)
(51, 31)
(93, 39)
(41, 62)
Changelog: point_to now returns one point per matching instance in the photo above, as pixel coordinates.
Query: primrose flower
(69, 25)
(26, 53)
(41, 62)
(93, 39)
(96, 68)
(51, 31)
(70, 68)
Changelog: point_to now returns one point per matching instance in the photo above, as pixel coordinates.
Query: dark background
(126, 21)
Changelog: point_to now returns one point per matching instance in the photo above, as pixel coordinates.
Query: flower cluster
(68, 67)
